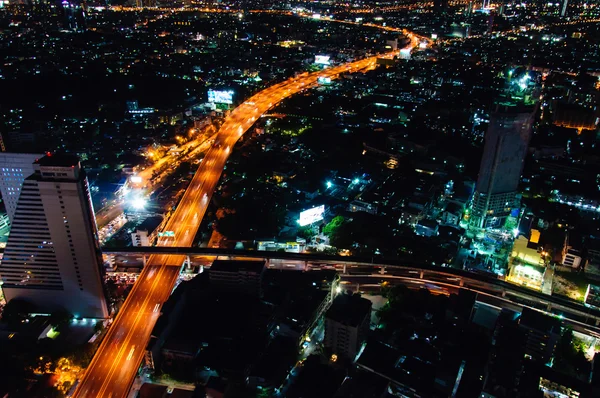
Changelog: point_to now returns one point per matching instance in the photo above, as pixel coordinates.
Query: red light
(48, 154)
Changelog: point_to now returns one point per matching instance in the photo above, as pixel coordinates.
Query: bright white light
(338, 289)
(356, 181)
(135, 179)
(311, 215)
(329, 184)
(515, 232)
(322, 59)
(138, 203)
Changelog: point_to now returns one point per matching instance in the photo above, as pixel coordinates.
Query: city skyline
(292, 200)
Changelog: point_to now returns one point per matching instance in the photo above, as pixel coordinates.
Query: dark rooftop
(62, 160)
(536, 320)
(237, 266)
(150, 224)
(149, 390)
(349, 309)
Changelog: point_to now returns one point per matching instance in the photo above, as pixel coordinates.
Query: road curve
(114, 366)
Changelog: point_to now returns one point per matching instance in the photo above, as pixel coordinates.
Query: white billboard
(220, 96)
(323, 80)
(311, 215)
(322, 59)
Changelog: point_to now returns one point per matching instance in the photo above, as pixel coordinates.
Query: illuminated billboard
(220, 96)
(322, 59)
(323, 80)
(311, 215)
(135, 179)
(405, 53)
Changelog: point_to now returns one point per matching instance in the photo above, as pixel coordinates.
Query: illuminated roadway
(114, 366)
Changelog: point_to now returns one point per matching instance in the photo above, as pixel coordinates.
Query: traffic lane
(122, 378)
(104, 359)
(124, 361)
(107, 214)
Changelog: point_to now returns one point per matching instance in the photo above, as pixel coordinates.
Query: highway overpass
(393, 267)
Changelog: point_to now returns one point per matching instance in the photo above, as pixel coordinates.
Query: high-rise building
(347, 325)
(14, 168)
(563, 9)
(52, 258)
(74, 14)
(505, 147)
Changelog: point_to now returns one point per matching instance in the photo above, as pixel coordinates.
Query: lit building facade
(14, 168)
(52, 258)
(505, 147)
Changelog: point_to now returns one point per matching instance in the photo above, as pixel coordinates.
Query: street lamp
(329, 184)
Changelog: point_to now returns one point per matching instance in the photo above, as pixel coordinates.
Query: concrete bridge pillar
(345, 271)
(188, 263)
(461, 283)
(382, 271)
(144, 259)
(503, 293)
(549, 307)
(421, 275)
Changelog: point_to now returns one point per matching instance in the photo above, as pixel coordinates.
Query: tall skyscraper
(505, 147)
(14, 168)
(52, 257)
(563, 9)
(74, 14)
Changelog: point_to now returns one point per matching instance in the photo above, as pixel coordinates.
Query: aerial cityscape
(307, 199)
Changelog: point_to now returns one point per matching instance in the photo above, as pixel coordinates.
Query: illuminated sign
(322, 59)
(220, 96)
(135, 179)
(405, 53)
(323, 80)
(311, 215)
(166, 234)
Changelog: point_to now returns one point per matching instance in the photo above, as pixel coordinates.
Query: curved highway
(114, 366)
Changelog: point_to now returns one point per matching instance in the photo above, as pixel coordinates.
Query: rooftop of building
(150, 224)
(238, 266)
(536, 320)
(395, 365)
(59, 160)
(149, 390)
(349, 309)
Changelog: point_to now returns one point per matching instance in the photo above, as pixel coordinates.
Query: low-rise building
(357, 205)
(573, 259)
(427, 228)
(410, 216)
(145, 234)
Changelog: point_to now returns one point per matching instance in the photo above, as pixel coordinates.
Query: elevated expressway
(114, 366)
(372, 271)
